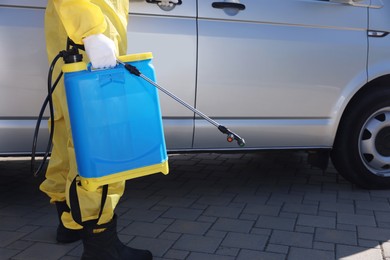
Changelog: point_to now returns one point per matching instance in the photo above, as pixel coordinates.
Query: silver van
(284, 74)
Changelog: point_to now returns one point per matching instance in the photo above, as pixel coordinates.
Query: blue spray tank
(116, 121)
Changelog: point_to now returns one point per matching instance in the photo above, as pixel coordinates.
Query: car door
(276, 72)
(23, 70)
(171, 36)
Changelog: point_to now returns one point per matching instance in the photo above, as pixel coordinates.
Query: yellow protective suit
(78, 19)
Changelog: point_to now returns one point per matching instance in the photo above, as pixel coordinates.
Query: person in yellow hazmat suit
(99, 25)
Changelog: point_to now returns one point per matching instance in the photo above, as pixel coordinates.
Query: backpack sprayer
(114, 138)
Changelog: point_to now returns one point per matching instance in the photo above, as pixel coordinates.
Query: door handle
(156, 1)
(222, 5)
(165, 8)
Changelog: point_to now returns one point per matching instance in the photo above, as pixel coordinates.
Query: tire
(361, 152)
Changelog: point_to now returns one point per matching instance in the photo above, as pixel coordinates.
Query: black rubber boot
(107, 246)
(65, 235)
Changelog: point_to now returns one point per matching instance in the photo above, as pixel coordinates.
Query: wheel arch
(377, 83)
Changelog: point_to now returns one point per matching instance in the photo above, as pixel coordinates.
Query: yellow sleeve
(81, 18)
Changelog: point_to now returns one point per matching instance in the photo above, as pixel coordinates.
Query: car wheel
(361, 151)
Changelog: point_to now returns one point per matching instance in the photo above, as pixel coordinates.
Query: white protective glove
(100, 50)
(167, 3)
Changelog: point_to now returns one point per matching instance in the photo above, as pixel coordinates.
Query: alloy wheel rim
(374, 143)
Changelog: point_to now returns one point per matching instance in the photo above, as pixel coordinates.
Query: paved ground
(267, 205)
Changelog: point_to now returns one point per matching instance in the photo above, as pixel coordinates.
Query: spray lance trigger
(231, 136)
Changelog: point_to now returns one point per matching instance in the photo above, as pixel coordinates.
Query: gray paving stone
(140, 203)
(45, 251)
(70, 258)
(222, 200)
(247, 241)
(264, 210)
(203, 256)
(316, 221)
(250, 254)
(327, 214)
(379, 216)
(20, 245)
(371, 205)
(353, 219)
(302, 229)
(228, 251)
(207, 219)
(337, 207)
(300, 208)
(368, 243)
(233, 225)
(280, 199)
(322, 196)
(380, 193)
(77, 251)
(8, 237)
(346, 227)
(291, 239)
(6, 253)
(260, 199)
(261, 231)
(355, 195)
(176, 254)
(197, 243)
(277, 249)
(189, 227)
(364, 212)
(336, 236)
(216, 233)
(169, 236)
(373, 233)
(324, 246)
(144, 229)
(177, 202)
(12, 223)
(158, 247)
(182, 213)
(142, 215)
(383, 224)
(275, 223)
(16, 211)
(29, 229)
(288, 215)
(43, 234)
(357, 253)
(248, 217)
(303, 253)
(199, 206)
(223, 212)
(163, 221)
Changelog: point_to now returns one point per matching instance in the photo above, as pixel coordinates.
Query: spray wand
(231, 136)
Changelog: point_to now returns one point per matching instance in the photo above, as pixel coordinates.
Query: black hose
(48, 100)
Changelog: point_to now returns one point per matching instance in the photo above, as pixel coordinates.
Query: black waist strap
(75, 205)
